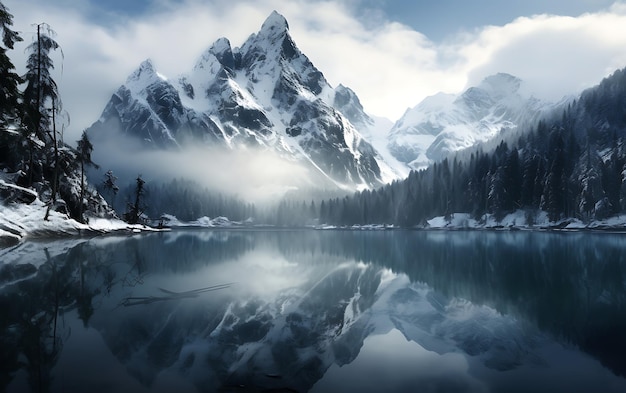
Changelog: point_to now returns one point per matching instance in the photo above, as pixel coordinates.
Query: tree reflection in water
(570, 286)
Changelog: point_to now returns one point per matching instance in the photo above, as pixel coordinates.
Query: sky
(391, 53)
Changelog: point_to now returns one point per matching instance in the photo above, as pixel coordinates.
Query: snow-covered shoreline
(171, 221)
(522, 220)
(20, 221)
(515, 221)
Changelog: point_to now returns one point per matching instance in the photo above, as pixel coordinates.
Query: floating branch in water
(170, 295)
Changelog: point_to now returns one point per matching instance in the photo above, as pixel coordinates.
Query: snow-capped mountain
(445, 123)
(265, 94)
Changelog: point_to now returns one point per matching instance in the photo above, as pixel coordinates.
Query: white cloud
(556, 55)
(389, 65)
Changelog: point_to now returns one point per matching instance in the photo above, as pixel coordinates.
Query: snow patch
(20, 221)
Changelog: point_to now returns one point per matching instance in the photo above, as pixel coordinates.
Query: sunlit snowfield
(322, 311)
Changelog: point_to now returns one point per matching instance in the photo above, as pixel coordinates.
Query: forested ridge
(570, 165)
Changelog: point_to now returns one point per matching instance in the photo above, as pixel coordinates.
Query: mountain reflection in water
(319, 311)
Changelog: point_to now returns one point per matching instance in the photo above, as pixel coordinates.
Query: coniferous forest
(165, 197)
(569, 165)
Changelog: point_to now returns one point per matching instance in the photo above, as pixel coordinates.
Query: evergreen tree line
(569, 167)
(183, 198)
(32, 152)
(291, 213)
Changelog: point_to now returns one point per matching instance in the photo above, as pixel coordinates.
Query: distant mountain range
(267, 94)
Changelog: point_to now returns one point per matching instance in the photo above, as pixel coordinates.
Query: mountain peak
(275, 24)
(145, 68)
(144, 75)
(271, 42)
(220, 45)
(445, 123)
(220, 50)
(501, 84)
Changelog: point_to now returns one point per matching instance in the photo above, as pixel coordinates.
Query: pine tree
(136, 209)
(529, 171)
(109, 184)
(497, 194)
(9, 92)
(615, 167)
(590, 188)
(40, 97)
(512, 181)
(84, 148)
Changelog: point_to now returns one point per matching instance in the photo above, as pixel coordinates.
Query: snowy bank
(522, 220)
(19, 221)
(169, 220)
(518, 220)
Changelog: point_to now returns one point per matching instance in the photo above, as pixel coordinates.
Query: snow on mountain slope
(264, 94)
(445, 123)
(149, 107)
(373, 129)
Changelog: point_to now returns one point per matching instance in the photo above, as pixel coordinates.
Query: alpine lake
(315, 310)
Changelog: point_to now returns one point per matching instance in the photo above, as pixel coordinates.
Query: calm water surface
(320, 311)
